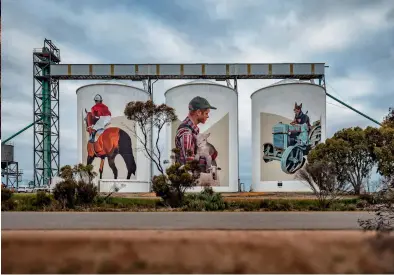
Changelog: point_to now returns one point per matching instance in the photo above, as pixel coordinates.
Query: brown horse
(111, 142)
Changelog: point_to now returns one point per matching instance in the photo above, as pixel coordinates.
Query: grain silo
(118, 142)
(222, 127)
(288, 119)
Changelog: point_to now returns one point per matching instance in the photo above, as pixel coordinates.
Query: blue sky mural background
(354, 37)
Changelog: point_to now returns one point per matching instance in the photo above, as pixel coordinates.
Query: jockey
(102, 113)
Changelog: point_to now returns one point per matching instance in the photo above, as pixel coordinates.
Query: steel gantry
(45, 114)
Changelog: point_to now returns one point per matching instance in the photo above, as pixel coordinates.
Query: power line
(337, 105)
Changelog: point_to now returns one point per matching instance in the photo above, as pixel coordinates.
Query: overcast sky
(355, 38)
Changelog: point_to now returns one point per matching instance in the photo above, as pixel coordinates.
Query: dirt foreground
(196, 252)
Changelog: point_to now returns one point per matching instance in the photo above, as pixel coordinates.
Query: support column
(151, 135)
(236, 91)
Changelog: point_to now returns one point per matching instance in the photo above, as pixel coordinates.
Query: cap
(200, 103)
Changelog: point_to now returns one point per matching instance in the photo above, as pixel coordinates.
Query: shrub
(171, 187)
(6, 194)
(64, 192)
(322, 178)
(384, 213)
(7, 202)
(206, 200)
(86, 193)
(42, 199)
(77, 187)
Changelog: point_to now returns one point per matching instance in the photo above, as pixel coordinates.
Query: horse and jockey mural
(107, 141)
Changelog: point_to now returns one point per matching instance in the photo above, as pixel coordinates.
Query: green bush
(7, 201)
(6, 194)
(172, 185)
(64, 192)
(206, 200)
(86, 193)
(42, 200)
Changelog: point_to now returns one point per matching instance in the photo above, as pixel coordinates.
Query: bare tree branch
(147, 115)
(320, 178)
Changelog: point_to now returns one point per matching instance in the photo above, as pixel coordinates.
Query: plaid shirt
(185, 139)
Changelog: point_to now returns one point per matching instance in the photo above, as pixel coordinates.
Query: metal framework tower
(46, 114)
(11, 173)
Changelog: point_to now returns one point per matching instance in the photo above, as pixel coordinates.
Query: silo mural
(288, 120)
(215, 133)
(107, 139)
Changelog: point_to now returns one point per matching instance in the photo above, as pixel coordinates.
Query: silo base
(123, 186)
(281, 186)
(217, 189)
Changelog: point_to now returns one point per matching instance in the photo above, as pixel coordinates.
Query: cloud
(343, 34)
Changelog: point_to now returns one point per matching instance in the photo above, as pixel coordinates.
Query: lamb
(205, 149)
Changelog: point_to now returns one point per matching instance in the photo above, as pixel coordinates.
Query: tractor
(291, 143)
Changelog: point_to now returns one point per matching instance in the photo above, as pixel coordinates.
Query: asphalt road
(181, 220)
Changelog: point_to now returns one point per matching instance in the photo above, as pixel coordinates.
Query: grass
(30, 202)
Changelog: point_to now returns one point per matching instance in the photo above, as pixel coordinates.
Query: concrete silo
(280, 141)
(118, 142)
(222, 126)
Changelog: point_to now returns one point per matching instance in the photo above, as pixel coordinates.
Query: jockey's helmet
(98, 98)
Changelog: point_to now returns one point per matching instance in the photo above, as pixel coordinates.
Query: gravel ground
(196, 252)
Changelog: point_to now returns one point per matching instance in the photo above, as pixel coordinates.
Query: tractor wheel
(268, 150)
(292, 159)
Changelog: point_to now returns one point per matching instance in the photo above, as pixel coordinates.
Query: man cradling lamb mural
(189, 139)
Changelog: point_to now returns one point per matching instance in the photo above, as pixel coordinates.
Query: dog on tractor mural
(111, 142)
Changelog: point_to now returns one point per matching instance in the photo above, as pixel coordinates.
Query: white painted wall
(226, 101)
(279, 99)
(115, 96)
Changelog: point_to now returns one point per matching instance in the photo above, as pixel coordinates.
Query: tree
(388, 120)
(349, 152)
(322, 180)
(147, 115)
(381, 146)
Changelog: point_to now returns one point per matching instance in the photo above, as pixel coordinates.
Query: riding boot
(92, 137)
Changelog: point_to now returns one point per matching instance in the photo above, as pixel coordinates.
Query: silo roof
(286, 82)
(199, 81)
(290, 81)
(111, 82)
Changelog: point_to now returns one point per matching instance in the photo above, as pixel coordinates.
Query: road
(181, 220)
